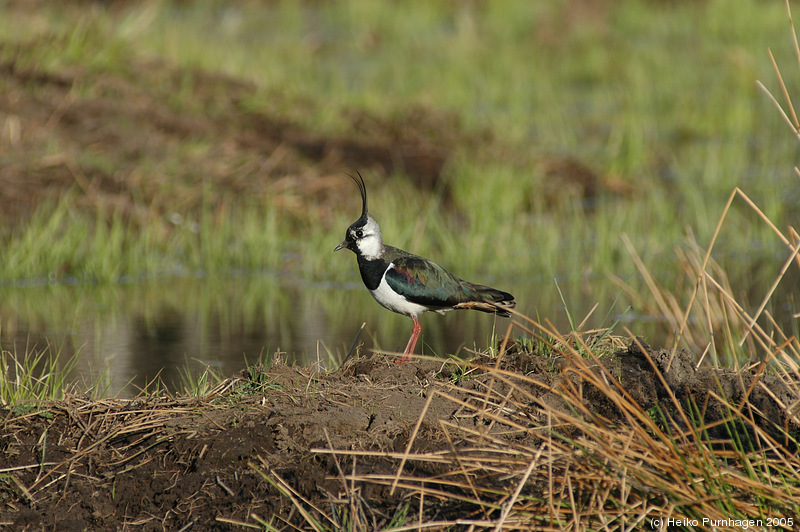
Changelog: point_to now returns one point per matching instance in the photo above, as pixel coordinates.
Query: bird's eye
(359, 233)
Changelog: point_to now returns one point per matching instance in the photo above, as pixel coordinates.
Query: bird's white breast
(394, 301)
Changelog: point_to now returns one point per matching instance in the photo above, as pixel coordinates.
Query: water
(126, 335)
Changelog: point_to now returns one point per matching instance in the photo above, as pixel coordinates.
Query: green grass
(34, 376)
(62, 242)
(31, 376)
(661, 97)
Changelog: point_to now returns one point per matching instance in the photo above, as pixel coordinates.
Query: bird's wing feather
(426, 283)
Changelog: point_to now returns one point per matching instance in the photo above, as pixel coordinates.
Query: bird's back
(424, 282)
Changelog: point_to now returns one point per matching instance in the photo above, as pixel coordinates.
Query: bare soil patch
(141, 141)
(148, 138)
(235, 456)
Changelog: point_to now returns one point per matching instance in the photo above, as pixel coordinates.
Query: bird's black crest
(363, 189)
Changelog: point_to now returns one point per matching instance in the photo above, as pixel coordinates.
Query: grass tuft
(34, 376)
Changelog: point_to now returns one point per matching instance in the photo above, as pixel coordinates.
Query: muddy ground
(217, 463)
(145, 138)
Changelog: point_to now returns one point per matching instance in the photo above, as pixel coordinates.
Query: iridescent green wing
(426, 283)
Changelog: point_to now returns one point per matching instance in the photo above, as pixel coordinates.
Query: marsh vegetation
(173, 184)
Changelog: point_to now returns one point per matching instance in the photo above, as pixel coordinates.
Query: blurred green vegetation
(657, 101)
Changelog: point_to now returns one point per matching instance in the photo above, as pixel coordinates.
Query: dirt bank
(266, 445)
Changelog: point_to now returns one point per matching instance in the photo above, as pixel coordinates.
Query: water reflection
(128, 334)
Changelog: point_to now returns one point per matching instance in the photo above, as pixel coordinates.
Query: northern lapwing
(410, 285)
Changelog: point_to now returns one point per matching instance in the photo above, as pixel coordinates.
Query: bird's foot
(403, 359)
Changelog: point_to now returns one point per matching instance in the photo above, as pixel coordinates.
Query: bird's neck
(372, 270)
(370, 248)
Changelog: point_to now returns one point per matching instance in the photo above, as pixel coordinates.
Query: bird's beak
(341, 246)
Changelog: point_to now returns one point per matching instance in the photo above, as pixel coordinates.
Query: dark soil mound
(262, 446)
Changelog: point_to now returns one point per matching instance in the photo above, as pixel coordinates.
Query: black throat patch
(371, 271)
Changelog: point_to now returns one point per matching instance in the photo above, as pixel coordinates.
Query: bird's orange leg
(412, 342)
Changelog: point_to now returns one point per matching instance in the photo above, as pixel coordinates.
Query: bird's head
(363, 237)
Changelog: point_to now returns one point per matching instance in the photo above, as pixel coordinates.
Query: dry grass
(576, 470)
(503, 455)
(102, 422)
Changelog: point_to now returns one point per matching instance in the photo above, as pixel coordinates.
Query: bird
(411, 285)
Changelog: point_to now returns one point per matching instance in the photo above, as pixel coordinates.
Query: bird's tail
(488, 299)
